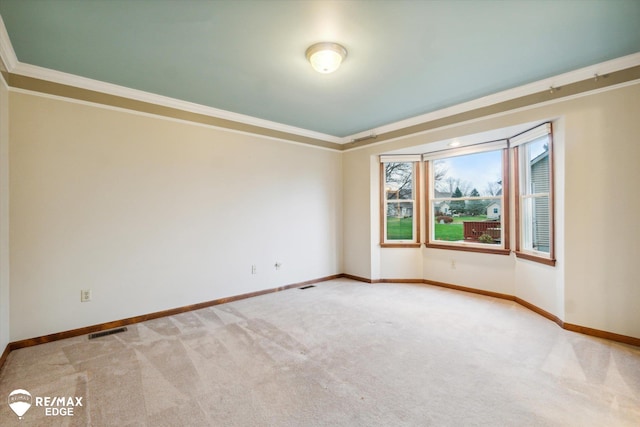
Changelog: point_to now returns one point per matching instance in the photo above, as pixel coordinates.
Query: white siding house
(493, 211)
(540, 184)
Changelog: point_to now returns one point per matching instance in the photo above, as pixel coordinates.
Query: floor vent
(307, 287)
(105, 333)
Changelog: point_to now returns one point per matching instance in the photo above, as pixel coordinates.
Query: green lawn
(399, 228)
(402, 228)
(449, 232)
(455, 231)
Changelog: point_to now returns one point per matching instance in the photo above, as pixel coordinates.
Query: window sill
(536, 258)
(400, 245)
(469, 248)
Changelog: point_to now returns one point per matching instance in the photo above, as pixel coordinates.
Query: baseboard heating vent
(105, 333)
(307, 287)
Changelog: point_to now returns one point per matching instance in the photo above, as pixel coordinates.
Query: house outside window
(399, 203)
(467, 189)
(533, 156)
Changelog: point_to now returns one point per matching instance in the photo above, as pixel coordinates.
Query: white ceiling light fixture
(326, 57)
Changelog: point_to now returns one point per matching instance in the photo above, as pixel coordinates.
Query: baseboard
(399, 281)
(540, 311)
(466, 289)
(357, 278)
(4, 356)
(625, 339)
(567, 326)
(171, 312)
(150, 316)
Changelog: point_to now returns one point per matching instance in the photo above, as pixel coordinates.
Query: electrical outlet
(85, 295)
(277, 265)
(254, 269)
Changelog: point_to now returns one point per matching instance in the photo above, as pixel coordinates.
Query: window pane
(399, 181)
(536, 158)
(479, 221)
(472, 175)
(399, 208)
(536, 223)
(399, 220)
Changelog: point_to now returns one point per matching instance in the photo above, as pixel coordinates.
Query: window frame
(504, 248)
(519, 181)
(511, 200)
(415, 177)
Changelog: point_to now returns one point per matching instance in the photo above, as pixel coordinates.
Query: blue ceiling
(405, 58)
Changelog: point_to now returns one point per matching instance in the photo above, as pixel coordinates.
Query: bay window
(468, 199)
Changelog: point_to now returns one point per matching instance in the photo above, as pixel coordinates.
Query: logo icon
(20, 402)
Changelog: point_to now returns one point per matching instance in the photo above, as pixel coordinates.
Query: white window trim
(469, 149)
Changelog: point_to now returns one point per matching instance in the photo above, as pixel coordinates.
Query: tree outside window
(399, 212)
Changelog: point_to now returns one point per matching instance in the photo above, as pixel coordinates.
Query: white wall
(400, 264)
(594, 282)
(152, 214)
(4, 215)
(602, 288)
(488, 272)
(358, 213)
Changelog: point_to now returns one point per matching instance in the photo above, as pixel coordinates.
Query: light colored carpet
(342, 353)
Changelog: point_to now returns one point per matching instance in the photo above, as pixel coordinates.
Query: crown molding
(493, 115)
(555, 82)
(14, 66)
(60, 77)
(7, 54)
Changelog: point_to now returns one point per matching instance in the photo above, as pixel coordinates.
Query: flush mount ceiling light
(326, 57)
